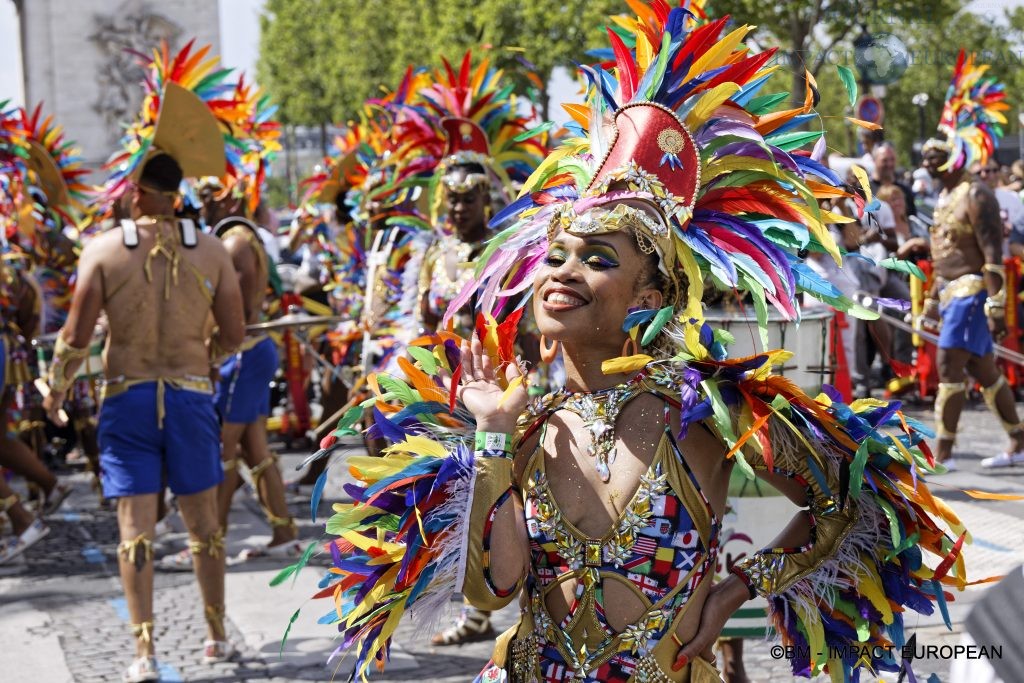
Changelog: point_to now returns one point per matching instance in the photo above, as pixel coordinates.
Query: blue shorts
(964, 325)
(243, 394)
(136, 456)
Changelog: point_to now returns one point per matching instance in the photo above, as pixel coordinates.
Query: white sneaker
(216, 651)
(28, 538)
(1003, 460)
(141, 670)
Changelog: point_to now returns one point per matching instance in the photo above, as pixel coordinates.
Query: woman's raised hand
(481, 391)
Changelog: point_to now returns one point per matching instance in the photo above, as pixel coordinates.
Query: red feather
(626, 65)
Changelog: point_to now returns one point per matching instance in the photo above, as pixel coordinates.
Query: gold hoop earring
(548, 353)
(629, 348)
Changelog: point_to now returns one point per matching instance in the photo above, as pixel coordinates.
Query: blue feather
(318, 491)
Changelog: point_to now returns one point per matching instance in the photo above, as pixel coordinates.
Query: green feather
(765, 103)
(903, 267)
(280, 653)
(860, 460)
(542, 128)
(790, 141)
(849, 82)
(663, 316)
(424, 358)
(659, 66)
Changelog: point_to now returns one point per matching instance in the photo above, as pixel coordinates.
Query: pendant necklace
(599, 410)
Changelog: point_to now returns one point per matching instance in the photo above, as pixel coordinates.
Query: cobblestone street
(63, 617)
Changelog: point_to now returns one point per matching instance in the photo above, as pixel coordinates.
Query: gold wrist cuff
(63, 355)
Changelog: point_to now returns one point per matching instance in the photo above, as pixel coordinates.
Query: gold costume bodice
(948, 231)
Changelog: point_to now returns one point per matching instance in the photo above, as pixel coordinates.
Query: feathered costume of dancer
(736, 195)
(60, 209)
(469, 116)
(972, 116)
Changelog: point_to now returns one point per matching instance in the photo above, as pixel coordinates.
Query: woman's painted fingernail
(682, 661)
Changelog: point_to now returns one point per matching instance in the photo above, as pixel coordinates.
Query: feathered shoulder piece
(188, 109)
(972, 115)
(677, 119)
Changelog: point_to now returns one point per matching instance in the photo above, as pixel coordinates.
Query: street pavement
(63, 617)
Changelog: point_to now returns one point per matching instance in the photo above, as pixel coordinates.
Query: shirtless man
(158, 282)
(243, 394)
(970, 298)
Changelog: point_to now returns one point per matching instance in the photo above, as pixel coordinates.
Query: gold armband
(63, 355)
(995, 305)
(996, 268)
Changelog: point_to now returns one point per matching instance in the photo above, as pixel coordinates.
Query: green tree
(293, 46)
(809, 32)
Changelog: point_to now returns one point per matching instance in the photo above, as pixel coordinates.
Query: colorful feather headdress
(972, 116)
(475, 117)
(55, 168)
(257, 135)
(734, 191)
(198, 131)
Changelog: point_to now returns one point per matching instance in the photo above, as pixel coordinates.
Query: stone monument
(80, 59)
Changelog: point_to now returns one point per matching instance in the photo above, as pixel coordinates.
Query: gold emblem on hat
(671, 141)
(466, 131)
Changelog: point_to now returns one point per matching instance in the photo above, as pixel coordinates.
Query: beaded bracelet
(492, 444)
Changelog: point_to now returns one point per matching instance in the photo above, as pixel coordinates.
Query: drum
(810, 341)
(91, 367)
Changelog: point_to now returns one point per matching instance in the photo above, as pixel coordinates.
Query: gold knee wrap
(214, 545)
(989, 393)
(215, 618)
(137, 551)
(947, 390)
(143, 631)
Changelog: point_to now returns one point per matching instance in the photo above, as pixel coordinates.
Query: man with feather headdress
(969, 292)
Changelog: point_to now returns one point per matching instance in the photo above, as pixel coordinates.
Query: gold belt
(251, 342)
(962, 287)
(119, 385)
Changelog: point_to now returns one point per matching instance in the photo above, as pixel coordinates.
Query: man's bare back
(157, 323)
(249, 260)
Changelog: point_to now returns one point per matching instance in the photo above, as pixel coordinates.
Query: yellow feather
(862, 178)
(644, 52)
(625, 364)
(869, 584)
(709, 102)
(719, 53)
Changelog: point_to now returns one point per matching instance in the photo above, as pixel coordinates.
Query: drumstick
(327, 426)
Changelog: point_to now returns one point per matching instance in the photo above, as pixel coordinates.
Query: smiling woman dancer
(599, 506)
